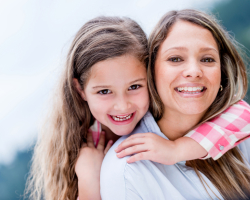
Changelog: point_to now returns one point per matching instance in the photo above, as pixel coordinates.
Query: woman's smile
(191, 90)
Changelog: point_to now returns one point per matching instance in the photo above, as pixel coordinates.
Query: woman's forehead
(184, 33)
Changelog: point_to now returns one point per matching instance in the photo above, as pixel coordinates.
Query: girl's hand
(148, 146)
(88, 167)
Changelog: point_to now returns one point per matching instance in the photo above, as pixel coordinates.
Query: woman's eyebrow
(176, 48)
(208, 49)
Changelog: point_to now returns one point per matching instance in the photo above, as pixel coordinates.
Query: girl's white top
(149, 180)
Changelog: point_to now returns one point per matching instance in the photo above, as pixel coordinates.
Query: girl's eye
(134, 87)
(207, 60)
(175, 59)
(106, 91)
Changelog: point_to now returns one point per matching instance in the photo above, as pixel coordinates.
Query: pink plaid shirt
(218, 135)
(96, 129)
(225, 131)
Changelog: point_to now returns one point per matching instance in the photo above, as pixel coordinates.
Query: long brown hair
(52, 174)
(229, 174)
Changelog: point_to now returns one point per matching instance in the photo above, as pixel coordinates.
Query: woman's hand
(148, 146)
(88, 167)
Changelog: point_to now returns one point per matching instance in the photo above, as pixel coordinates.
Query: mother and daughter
(187, 80)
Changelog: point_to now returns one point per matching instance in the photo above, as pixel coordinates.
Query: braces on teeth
(121, 118)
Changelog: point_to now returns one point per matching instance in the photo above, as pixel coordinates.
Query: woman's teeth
(122, 118)
(189, 90)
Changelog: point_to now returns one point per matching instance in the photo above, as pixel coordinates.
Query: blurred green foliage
(13, 177)
(234, 16)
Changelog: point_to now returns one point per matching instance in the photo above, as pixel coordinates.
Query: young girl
(105, 80)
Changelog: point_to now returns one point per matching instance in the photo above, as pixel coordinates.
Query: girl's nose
(122, 104)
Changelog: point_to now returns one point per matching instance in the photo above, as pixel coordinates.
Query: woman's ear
(79, 88)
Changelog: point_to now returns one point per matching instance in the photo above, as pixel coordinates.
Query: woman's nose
(122, 104)
(193, 70)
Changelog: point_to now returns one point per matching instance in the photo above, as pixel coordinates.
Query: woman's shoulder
(245, 149)
(114, 166)
(115, 171)
(112, 173)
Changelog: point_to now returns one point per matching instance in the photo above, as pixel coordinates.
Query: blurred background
(34, 38)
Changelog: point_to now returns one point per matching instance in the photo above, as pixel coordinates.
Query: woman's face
(187, 69)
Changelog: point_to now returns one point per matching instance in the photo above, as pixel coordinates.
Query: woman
(188, 50)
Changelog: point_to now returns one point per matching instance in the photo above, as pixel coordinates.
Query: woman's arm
(211, 139)
(88, 167)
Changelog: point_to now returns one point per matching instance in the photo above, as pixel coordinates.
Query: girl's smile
(122, 119)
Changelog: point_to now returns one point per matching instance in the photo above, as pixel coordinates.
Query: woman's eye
(207, 60)
(175, 59)
(134, 87)
(104, 91)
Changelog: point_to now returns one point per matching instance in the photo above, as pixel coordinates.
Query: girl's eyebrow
(102, 86)
(140, 79)
(109, 86)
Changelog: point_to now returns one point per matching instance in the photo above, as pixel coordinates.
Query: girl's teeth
(121, 118)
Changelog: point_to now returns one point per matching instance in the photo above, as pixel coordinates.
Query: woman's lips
(122, 119)
(191, 92)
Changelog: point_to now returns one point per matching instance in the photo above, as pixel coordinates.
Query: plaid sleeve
(224, 132)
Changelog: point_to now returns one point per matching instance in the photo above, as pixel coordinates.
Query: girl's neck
(109, 135)
(175, 125)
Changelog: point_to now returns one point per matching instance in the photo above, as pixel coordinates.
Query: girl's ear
(78, 88)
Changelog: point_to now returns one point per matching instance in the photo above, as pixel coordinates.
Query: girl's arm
(88, 167)
(211, 139)
(224, 132)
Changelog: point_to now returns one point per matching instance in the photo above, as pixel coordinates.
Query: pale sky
(34, 39)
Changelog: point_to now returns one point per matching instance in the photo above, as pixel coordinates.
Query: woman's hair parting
(52, 174)
(229, 174)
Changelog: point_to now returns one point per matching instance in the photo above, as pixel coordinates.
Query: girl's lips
(123, 120)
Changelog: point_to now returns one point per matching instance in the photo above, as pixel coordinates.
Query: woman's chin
(193, 108)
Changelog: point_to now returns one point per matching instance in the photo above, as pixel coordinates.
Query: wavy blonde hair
(229, 174)
(52, 175)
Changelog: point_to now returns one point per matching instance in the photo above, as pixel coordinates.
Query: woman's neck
(175, 125)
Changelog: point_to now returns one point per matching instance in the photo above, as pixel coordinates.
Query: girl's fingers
(137, 135)
(110, 143)
(132, 150)
(137, 157)
(90, 141)
(129, 142)
(101, 143)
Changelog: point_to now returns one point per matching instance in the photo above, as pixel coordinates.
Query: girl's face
(187, 69)
(117, 93)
